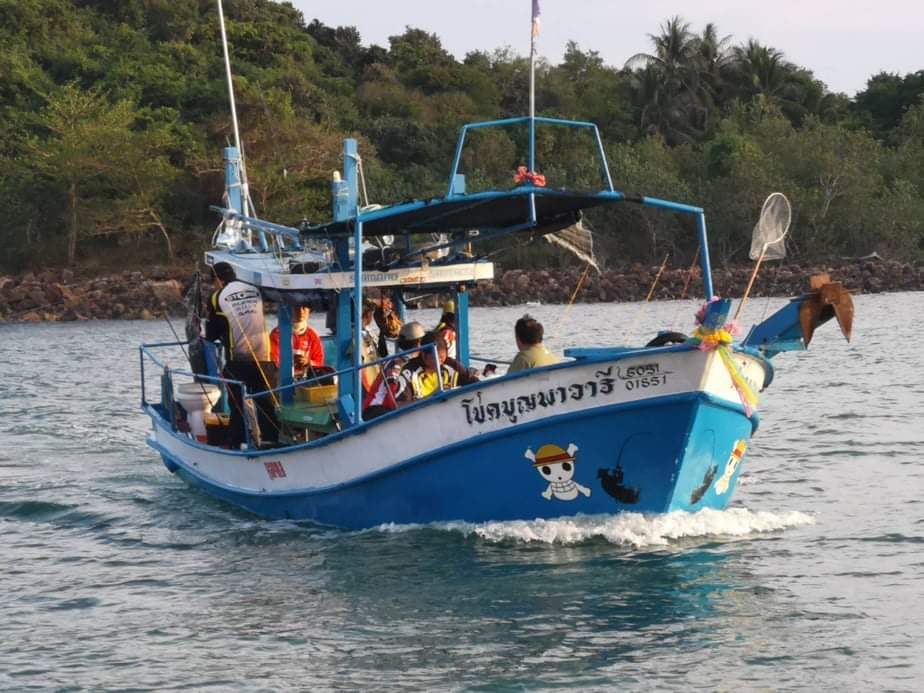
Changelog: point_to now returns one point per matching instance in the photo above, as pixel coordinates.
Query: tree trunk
(159, 224)
(72, 235)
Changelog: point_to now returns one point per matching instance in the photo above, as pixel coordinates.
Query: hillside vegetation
(113, 116)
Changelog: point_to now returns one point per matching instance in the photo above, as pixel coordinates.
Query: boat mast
(245, 209)
(533, 33)
(237, 133)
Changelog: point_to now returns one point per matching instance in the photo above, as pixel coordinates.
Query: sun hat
(411, 332)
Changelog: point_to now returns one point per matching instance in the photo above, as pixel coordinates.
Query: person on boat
(388, 322)
(531, 351)
(421, 375)
(386, 391)
(446, 328)
(235, 317)
(307, 350)
(370, 350)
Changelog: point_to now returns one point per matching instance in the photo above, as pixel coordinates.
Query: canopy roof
(487, 210)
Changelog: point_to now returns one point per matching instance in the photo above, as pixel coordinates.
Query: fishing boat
(641, 428)
(654, 427)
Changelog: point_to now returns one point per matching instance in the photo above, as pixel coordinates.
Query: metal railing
(145, 352)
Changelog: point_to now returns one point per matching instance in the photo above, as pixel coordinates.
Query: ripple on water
(118, 576)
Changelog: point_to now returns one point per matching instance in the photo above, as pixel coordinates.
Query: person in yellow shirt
(532, 352)
(421, 375)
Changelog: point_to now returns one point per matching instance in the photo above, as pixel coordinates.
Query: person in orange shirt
(307, 350)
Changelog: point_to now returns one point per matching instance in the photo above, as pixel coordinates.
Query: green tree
(760, 71)
(668, 94)
(111, 175)
(886, 99)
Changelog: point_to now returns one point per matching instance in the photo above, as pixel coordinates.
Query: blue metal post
(351, 174)
(532, 165)
(462, 348)
(606, 167)
(284, 316)
(233, 179)
(233, 186)
(358, 332)
(398, 300)
(345, 195)
(704, 254)
(455, 161)
(141, 357)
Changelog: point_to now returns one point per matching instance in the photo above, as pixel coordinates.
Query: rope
(253, 355)
(263, 375)
(686, 286)
(565, 318)
(686, 283)
(776, 277)
(641, 309)
(362, 177)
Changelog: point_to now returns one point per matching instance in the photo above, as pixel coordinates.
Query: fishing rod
(630, 334)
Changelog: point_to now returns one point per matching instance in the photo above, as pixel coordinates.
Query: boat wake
(626, 529)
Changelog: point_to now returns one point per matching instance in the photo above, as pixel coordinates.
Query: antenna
(245, 189)
(533, 33)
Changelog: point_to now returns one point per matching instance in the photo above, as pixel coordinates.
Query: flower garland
(720, 341)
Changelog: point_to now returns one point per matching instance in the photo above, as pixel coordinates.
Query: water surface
(118, 576)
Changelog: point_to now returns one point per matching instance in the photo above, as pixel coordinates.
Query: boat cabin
(293, 266)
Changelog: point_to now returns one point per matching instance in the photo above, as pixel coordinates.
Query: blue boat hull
(670, 453)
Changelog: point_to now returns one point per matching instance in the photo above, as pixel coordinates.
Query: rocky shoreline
(61, 295)
(515, 287)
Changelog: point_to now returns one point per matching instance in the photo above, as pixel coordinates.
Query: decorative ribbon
(720, 341)
(523, 176)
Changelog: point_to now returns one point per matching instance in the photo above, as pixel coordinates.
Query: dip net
(771, 228)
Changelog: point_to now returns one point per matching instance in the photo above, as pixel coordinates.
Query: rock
(70, 314)
(146, 314)
(31, 316)
(69, 295)
(54, 293)
(169, 291)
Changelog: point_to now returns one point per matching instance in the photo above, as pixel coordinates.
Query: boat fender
(667, 337)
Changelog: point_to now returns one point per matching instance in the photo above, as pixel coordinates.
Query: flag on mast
(535, 18)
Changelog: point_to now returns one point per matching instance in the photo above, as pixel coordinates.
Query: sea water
(117, 576)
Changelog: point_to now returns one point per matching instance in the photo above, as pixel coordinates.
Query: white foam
(627, 529)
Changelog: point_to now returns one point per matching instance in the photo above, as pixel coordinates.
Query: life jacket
(420, 383)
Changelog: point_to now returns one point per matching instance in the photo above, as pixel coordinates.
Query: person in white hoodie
(235, 317)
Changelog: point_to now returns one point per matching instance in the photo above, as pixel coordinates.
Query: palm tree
(712, 58)
(757, 70)
(668, 85)
(659, 110)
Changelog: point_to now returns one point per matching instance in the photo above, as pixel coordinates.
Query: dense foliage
(113, 116)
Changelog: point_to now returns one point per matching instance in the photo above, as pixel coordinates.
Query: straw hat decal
(557, 467)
